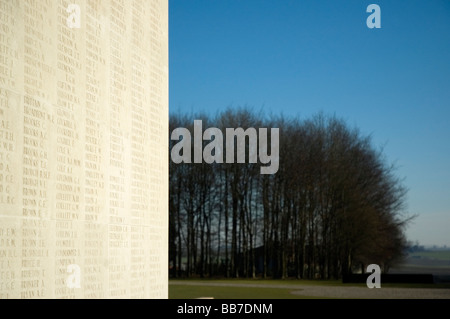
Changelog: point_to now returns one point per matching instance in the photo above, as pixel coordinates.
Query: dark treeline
(333, 207)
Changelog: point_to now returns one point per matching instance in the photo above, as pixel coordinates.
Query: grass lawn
(192, 292)
(295, 282)
(180, 291)
(188, 292)
(432, 254)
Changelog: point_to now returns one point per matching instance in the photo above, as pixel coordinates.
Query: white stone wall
(83, 149)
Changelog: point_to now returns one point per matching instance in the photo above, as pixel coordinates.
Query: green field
(262, 289)
(263, 292)
(440, 255)
(436, 262)
(192, 292)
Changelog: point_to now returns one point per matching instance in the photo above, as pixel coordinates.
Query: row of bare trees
(333, 207)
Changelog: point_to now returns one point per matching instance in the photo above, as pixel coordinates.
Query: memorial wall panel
(83, 149)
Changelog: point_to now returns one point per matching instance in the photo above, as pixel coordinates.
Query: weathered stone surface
(83, 149)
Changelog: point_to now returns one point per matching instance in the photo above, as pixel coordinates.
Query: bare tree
(334, 205)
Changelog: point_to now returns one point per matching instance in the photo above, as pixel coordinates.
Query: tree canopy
(334, 206)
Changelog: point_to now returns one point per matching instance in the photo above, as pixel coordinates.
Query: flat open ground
(435, 262)
(266, 289)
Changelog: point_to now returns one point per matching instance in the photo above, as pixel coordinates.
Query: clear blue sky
(299, 57)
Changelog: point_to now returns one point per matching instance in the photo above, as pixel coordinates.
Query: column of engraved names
(8, 104)
(139, 148)
(118, 227)
(94, 160)
(9, 232)
(9, 176)
(69, 147)
(9, 240)
(157, 118)
(38, 121)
